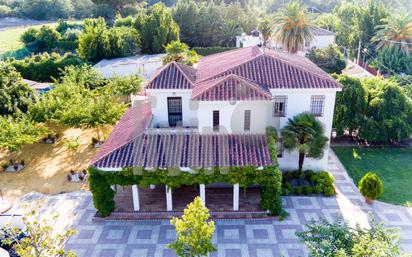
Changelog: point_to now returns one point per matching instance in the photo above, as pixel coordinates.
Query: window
(174, 107)
(280, 106)
(247, 120)
(317, 105)
(279, 147)
(216, 119)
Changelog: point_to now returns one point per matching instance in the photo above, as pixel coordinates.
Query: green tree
(230, 30)
(266, 28)
(179, 52)
(194, 232)
(117, 4)
(158, 29)
(293, 27)
(47, 39)
(350, 105)
(306, 134)
(16, 132)
(389, 112)
(391, 61)
(395, 32)
(125, 86)
(329, 59)
(95, 41)
(41, 238)
(15, 95)
(338, 239)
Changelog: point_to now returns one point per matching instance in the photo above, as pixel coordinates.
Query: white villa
(237, 94)
(216, 116)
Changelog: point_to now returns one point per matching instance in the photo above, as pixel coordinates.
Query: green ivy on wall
(269, 178)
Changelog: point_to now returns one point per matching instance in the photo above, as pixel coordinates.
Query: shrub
(320, 183)
(205, 51)
(47, 38)
(44, 67)
(370, 186)
(45, 9)
(29, 36)
(5, 11)
(329, 59)
(298, 190)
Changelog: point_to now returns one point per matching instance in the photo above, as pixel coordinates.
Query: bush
(45, 9)
(44, 67)
(205, 51)
(329, 59)
(29, 36)
(319, 183)
(370, 186)
(5, 11)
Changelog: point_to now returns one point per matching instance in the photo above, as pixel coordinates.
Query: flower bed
(307, 183)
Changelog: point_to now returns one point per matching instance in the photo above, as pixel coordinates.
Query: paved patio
(233, 238)
(238, 238)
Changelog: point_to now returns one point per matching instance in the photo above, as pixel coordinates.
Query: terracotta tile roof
(189, 150)
(131, 125)
(173, 76)
(270, 68)
(231, 87)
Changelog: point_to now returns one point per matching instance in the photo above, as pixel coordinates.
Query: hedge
(205, 51)
(309, 182)
(269, 178)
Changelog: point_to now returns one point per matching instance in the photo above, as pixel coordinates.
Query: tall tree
(293, 27)
(117, 4)
(158, 29)
(305, 134)
(350, 105)
(329, 59)
(266, 28)
(230, 29)
(15, 95)
(396, 32)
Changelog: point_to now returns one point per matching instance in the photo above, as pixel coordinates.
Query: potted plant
(371, 187)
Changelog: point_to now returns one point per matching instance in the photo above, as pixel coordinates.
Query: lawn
(392, 165)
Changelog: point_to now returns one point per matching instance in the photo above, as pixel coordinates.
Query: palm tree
(306, 134)
(266, 29)
(395, 32)
(230, 29)
(293, 27)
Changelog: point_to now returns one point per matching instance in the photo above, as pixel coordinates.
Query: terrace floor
(217, 199)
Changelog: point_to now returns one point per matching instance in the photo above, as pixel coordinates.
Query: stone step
(168, 215)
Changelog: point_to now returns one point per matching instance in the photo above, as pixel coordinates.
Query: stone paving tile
(239, 238)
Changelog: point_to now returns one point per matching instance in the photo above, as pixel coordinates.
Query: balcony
(153, 128)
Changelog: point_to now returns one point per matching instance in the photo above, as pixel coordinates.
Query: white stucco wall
(200, 114)
(298, 101)
(232, 116)
(158, 100)
(322, 41)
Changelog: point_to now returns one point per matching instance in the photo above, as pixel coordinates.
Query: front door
(174, 107)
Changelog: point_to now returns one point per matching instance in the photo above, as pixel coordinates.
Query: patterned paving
(353, 207)
(233, 238)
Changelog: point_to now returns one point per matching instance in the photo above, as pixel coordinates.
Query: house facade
(216, 115)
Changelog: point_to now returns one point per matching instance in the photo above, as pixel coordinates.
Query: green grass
(392, 165)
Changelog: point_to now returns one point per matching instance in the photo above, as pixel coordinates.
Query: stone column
(169, 201)
(136, 200)
(236, 197)
(203, 193)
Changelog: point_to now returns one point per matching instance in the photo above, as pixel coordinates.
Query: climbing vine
(269, 178)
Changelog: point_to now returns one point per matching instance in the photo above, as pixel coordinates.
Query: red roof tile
(173, 76)
(231, 87)
(189, 150)
(131, 125)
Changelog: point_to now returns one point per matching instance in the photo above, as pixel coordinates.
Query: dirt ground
(47, 165)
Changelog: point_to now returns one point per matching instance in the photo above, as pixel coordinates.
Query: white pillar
(136, 200)
(203, 193)
(236, 197)
(169, 201)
